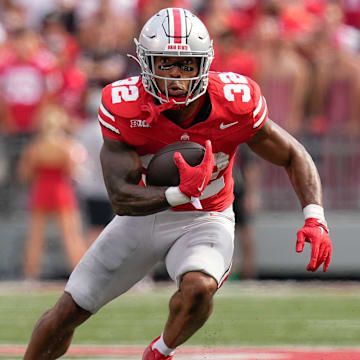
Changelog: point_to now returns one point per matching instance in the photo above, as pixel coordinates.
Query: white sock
(162, 348)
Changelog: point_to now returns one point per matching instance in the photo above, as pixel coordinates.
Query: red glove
(194, 179)
(317, 234)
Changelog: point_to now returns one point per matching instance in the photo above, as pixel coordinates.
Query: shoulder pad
(124, 97)
(238, 93)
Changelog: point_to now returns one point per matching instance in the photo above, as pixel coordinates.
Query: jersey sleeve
(106, 118)
(258, 111)
(241, 97)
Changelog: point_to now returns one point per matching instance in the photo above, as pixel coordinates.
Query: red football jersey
(238, 111)
(23, 84)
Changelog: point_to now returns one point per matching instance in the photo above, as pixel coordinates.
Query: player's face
(177, 68)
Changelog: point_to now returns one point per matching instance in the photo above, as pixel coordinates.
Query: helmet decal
(177, 25)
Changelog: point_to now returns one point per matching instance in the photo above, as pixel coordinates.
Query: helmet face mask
(174, 32)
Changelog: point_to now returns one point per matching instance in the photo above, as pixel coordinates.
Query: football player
(190, 226)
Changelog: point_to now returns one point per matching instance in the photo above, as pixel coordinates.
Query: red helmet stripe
(177, 25)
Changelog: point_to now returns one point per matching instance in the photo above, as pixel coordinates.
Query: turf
(256, 315)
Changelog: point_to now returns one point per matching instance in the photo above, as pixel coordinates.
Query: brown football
(162, 170)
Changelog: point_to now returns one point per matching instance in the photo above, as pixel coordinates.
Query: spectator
(233, 55)
(232, 25)
(334, 126)
(72, 80)
(27, 82)
(283, 73)
(246, 204)
(48, 164)
(105, 38)
(284, 76)
(335, 112)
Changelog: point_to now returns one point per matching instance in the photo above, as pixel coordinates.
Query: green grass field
(255, 314)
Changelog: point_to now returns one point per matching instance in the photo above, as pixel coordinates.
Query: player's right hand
(194, 179)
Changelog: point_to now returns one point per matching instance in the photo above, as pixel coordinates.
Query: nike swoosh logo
(225, 126)
(322, 230)
(201, 188)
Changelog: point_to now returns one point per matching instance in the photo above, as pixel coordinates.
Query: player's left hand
(194, 179)
(317, 235)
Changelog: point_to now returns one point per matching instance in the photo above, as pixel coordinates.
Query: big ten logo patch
(139, 123)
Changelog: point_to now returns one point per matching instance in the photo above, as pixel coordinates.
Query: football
(162, 170)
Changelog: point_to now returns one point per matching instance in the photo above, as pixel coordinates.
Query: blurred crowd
(305, 54)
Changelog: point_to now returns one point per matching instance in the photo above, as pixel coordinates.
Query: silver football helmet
(174, 32)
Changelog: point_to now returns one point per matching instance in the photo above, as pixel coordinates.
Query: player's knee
(198, 288)
(66, 313)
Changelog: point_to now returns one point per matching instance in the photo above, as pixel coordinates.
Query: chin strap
(155, 110)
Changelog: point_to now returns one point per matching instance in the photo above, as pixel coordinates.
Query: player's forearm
(135, 200)
(304, 177)
(122, 173)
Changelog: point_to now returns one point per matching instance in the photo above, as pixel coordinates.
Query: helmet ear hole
(175, 32)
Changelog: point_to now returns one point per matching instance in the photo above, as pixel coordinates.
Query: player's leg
(53, 332)
(190, 307)
(34, 246)
(206, 256)
(70, 227)
(199, 261)
(114, 263)
(247, 243)
(99, 214)
(244, 235)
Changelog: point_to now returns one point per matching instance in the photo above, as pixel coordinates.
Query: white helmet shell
(174, 32)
